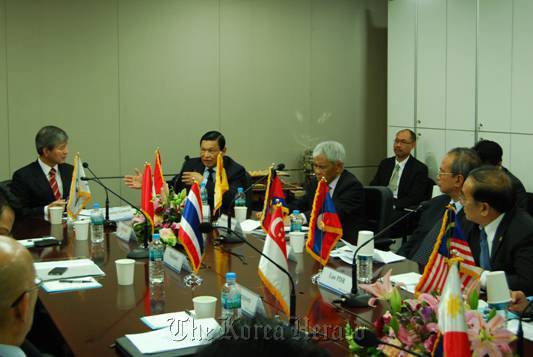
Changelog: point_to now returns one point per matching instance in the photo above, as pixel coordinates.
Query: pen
(74, 281)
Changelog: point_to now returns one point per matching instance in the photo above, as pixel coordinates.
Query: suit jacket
(413, 182)
(512, 249)
(519, 191)
(236, 174)
(349, 200)
(421, 243)
(32, 188)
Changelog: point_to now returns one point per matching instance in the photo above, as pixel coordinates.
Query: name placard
(335, 281)
(251, 303)
(176, 260)
(124, 231)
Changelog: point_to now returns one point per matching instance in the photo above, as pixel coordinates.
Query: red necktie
(53, 184)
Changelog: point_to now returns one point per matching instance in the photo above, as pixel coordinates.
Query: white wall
(460, 71)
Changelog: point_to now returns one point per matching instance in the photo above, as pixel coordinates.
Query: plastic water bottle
(230, 298)
(97, 224)
(206, 210)
(240, 198)
(296, 221)
(156, 251)
(364, 269)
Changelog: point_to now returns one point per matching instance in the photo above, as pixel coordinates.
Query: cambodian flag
(325, 227)
(189, 233)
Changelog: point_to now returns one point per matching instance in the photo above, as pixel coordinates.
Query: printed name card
(124, 231)
(176, 260)
(335, 281)
(251, 303)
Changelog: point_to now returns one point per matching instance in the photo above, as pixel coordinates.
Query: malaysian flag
(189, 234)
(450, 243)
(274, 195)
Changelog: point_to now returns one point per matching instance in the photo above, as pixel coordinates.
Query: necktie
(53, 184)
(210, 186)
(393, 182)
(484, 256)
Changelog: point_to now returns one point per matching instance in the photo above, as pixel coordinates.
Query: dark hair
(214, 135)
(490, 152)
(492, 186)
(464, 161)
(258, 337)
(7, 199)
(49, 137)
(411, 134)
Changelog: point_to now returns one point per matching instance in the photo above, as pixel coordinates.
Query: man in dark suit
(347, 192)
(454, 169)
(203, 170)
(491, 153)
(45, 182)
(403, 174)
(502, 238)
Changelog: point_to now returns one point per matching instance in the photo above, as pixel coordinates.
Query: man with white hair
(18, 296)
(345, 189)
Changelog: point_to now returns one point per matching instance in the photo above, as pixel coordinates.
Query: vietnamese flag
(159, 180)
(147, 203)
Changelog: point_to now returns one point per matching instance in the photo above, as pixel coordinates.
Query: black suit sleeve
(378, 178)
(522, 260)
(417, 189)
(21, 188)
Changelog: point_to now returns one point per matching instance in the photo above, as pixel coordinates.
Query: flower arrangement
(167, 215)
(413, 324)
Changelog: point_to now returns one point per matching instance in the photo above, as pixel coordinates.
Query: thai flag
(189, 233)
(325, 227)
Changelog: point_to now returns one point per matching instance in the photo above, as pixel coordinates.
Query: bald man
(17, 296)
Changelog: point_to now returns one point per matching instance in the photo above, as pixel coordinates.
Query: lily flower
(381, 290)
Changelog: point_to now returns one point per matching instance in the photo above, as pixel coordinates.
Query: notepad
(76, 268)
(57, 286)
(156, 322)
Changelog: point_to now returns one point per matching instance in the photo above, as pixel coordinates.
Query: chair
(529, 208)
(378, 202)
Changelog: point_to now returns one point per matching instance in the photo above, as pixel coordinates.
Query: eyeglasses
(442, 173)
(37, 283)
(403, 142)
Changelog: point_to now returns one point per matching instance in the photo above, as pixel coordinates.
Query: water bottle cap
(155, 236)
(230, 275)
(240, 189)
(96, 205)
(296, 211)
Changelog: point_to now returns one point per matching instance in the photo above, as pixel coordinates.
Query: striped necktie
(53, 184)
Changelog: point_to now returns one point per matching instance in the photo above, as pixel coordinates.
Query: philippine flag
(189, 234)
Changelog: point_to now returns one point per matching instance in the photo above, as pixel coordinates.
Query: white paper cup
(497, 288)
(56, 214)
(81, 228)
(125, 271)
(204, 306)
(240, 214)
(362, 238)
(297, 241)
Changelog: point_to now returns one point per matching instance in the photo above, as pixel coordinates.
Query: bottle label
(231, 301)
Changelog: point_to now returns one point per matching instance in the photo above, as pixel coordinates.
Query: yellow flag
(221, 183)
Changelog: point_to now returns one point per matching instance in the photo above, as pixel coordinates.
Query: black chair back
(529, 203)
(378, 201)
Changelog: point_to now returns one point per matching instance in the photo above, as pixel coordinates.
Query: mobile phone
(45, 242)
(57, 271)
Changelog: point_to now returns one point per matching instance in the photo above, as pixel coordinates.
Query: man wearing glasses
(18, 296)
(454, 169)
(406, 177)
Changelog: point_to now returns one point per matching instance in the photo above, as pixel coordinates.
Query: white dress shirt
(11, 351)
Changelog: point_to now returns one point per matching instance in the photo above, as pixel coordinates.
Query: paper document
(346, 253)
(410, 280)
(184, 337)
(30, 243)
(250, 225)
(58, 286)
(122, 213)
(527, 327)
(164, 320)
(75, 268)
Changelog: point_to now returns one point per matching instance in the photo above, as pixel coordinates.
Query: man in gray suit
(454, 169)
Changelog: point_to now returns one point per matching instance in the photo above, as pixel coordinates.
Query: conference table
(91, 320)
